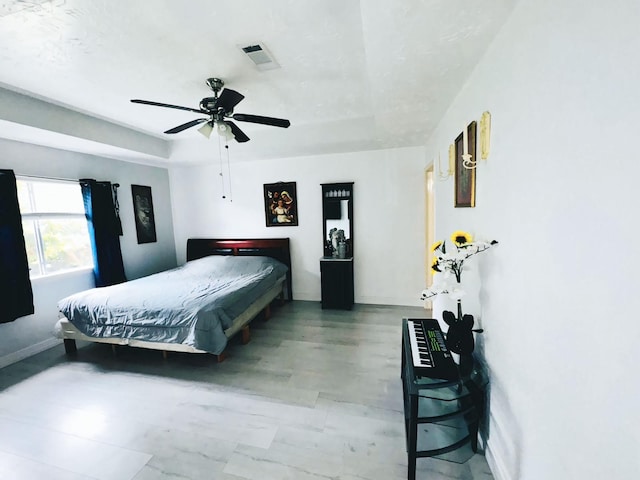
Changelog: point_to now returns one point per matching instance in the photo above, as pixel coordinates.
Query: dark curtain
(15, 286)
(104, 230)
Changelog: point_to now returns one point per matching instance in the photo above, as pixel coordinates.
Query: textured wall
(556, 299)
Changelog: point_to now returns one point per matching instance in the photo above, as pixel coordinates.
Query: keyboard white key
(420, 351)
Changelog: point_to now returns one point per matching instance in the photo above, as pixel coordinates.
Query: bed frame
(277, 248)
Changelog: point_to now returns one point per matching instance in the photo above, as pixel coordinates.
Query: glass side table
(441, 416)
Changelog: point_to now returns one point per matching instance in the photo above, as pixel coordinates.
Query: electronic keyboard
(429, 353)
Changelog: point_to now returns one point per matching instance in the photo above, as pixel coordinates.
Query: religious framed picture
(465, 178)
(143, 213)
(281, 204)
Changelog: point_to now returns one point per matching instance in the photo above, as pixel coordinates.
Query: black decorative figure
(460, 334)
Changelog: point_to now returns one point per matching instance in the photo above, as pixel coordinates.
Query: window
(55, 227)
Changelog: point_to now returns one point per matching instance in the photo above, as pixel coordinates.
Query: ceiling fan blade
(229, 99)
(237, 133)
(157, 104)
(184, 126)
(275, 122)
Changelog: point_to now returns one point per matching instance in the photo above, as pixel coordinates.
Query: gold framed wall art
(465, 178)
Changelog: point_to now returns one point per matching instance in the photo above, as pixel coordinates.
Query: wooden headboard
(277, 248)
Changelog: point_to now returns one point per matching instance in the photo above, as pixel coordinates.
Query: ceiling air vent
(260, 57)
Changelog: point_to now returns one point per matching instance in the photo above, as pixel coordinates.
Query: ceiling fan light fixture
(206, 129)
(225, 131)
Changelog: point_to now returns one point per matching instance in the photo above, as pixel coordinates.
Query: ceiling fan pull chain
(221, 175)
(226, 146)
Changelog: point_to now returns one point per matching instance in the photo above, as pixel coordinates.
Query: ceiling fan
(218, 110)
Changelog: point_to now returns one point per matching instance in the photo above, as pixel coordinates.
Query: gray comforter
(192, 304)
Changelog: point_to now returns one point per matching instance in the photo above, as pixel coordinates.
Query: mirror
(337, 217)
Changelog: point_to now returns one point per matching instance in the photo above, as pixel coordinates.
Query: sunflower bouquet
(450, 260)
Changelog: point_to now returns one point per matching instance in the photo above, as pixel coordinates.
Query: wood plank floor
(315, 395)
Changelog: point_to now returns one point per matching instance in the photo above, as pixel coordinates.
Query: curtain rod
(59, 179)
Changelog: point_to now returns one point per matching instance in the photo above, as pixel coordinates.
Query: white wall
(388, 216)
(559, 192)
(30, 334)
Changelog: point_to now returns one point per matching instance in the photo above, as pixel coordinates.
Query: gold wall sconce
(450, 167)
(468, 160)
(485, 135)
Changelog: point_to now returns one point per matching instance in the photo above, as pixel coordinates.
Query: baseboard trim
(496, 449)
(395, 301)
(29, 351)
(496, 464)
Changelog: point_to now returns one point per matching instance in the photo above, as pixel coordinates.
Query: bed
(193, 308)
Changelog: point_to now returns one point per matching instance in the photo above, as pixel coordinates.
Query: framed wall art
(280, 204)
(143, 212)
(465, 178)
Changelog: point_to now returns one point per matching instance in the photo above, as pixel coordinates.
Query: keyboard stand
(442, 416)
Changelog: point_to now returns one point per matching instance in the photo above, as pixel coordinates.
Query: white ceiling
(355, 75)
